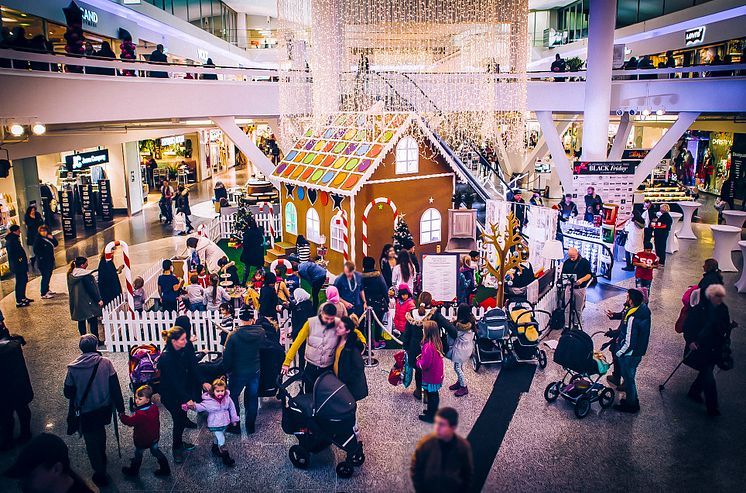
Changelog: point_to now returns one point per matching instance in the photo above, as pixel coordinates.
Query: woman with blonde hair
(661, 231)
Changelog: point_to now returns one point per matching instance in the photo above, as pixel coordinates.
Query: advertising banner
(67, 212)
(88, 206)
(104, 193)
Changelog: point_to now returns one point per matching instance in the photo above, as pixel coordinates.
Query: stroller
(165, 213)
(142, 366)
(271, 356)
(210, 364)
(525, 333)
(580, 385)
(321, 418)
(492, 332)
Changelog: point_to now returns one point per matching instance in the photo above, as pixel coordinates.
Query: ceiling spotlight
(38, 128)
(619, 112)
(660, 112)
(16, 130)
(632, 112)
(646, 112)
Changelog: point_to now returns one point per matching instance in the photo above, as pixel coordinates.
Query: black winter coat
(182, 203)
(299, 315)
(14, 377)
(351, 367)
(412, 337)
(252, 253)
(708, 279)
(709, 327)
(376, 292)
(181, 378)
(44, 251)
(109, 286)
(17, 258)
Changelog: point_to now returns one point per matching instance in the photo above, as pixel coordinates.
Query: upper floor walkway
(60, 89)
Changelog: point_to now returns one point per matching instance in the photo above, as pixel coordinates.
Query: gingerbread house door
(380, 228)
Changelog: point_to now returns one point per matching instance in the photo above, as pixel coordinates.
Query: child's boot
(227, 459)
(164, 469)
(216, 450)
(132, 470)
(455, 386)
(462, 391)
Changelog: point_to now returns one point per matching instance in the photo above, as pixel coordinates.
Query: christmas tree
(402, 234)
(241, 219)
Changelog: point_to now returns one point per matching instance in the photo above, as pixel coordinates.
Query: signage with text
(634, 154)
(86, 159)
(104, 194)
(605, 167)
(88, 205)
(67, 212)
(694, 36)
(168, 141)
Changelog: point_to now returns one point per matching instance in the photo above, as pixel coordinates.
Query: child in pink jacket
(221, 412)
(404, 305)
(430, 361)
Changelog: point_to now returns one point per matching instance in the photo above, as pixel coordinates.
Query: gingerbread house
(344, 183)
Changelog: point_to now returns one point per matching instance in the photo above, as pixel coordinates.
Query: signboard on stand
(440, 276)
(67, 212)
(87, 204)
(612, 180)
(104, 192)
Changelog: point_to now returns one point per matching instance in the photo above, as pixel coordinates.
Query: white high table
(672, 245)
(726, 237)
(741, 283)
(686, 232)
(734, 218)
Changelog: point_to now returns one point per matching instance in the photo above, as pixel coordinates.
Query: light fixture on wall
(16, 130)
(646, 112)
(38, 128)
(660, 111)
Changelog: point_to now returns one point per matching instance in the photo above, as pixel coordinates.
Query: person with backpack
(707, 334)
(630, 345)
(92, 386)
(711, 275)
(377, 296)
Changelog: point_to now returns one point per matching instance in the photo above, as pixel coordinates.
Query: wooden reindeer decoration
(510, 250)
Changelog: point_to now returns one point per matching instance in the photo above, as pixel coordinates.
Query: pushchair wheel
(552, 392)
(606, 398)
(358, 458)
(542, 357)
(299, 456)
(475, 363)
(345, 470)
(582, 407)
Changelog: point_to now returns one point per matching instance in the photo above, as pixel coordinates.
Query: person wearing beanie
(377, 296)
(332, 296)
(242, 363)
(269, 303)
(92, 386)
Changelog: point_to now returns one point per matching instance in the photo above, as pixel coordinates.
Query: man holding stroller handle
(442, 461)
(581, 269)
(320, 335)
(629, 346)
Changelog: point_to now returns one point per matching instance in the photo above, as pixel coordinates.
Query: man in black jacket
(630, 345)
(16, 383)
(241, 361)
(159, 56)
(18, 264)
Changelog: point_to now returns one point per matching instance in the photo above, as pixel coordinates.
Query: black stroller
(580, 385)
(165, 212)
(319, 419)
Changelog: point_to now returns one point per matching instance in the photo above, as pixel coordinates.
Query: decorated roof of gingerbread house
(340, 156)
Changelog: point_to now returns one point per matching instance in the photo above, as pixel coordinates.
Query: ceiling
(547, 4)
(254, 7)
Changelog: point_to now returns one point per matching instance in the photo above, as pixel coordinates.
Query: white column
(133, 176)
(601, 23)
(620, 139)
(241, 34)
(261, 162)
(560, 162)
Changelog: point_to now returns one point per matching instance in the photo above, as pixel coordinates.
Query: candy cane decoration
(109, 255)
(201, 230)
(271, 214)
(342, 215)
(379, 200)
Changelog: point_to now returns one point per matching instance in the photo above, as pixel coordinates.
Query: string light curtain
(438, 58)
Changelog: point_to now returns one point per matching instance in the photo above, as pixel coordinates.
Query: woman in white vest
(321, 340)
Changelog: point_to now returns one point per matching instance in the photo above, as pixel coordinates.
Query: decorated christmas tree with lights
(402, 235)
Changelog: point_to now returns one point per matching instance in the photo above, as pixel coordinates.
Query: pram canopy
(575, 352)
(332, 398)
(493, 325)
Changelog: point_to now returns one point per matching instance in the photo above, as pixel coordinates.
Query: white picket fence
(222, 227)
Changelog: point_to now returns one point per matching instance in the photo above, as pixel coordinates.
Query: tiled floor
(670, 446)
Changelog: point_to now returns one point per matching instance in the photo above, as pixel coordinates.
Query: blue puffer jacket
(634, 332)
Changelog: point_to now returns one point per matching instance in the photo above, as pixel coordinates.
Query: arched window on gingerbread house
(407, 156)
(430, 226)
(291, 219)
(337, 233)
(313, 226)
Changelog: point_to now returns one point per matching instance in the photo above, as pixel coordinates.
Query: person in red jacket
(147, 432)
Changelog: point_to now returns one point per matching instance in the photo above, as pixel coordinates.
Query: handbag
(73, 414)
(621, 238)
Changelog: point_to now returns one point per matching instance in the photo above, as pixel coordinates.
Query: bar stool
(182, 177)
(741, 283)
(734, 218)
(726, 237)
(672, 245)
(686, 232)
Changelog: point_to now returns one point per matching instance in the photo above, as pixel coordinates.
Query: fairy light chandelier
(436, 58)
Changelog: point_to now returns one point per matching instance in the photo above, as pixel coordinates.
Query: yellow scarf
(630, 312)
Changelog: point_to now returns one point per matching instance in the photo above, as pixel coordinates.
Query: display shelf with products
(665, 194)
(589, 241)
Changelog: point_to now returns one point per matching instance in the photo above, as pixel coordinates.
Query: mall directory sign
(67, 212)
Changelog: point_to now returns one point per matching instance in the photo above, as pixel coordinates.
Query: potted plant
(574, 64)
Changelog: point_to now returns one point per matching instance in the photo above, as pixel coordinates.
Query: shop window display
(291, 219)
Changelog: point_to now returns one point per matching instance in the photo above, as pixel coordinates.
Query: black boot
(235, 429)
(216, 450)
(164, 469)
(133, 470)
(227, 459)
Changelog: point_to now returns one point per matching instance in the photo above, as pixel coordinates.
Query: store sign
(87, 159)
(636, 154)
(694, 36)
(202, 55)
(553, 37)
(216, 135)
(90, 17)
(169, 141)
(605, 167)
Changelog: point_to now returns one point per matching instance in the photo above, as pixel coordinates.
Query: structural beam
(260, 161)
(620, 139)
(541, 146)
(554, 143)
(659, 150)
